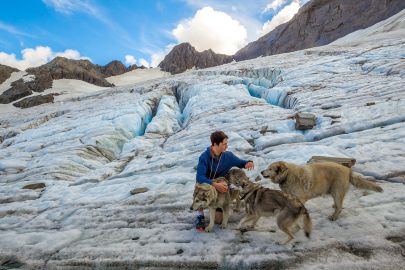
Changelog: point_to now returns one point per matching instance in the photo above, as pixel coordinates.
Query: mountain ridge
(184, 56)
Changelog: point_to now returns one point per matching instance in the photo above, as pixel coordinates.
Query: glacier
(91, 151)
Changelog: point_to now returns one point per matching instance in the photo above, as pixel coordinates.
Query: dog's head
(204, 194)
(238, 177)
(276, 171)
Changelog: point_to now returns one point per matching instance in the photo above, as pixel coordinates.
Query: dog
(206, 196)
(235, 198)
(313, 180)
(261, 201)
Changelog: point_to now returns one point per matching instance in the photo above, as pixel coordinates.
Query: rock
(18, 90)
(184, 56)
(35, 186)
(34, 101)
(370, 103)
(304, 121)
(139, 190)
(113, 68)
(5, 72)
(180, 251)
(132, 67)
(318, 23)
(348, 162)
(329, 106)
(333, 116)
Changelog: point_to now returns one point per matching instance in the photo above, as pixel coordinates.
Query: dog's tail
(359, 181)
(307, 222)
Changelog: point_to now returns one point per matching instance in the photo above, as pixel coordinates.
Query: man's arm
(201, 172)
(240, 163)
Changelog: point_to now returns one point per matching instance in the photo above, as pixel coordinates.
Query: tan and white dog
(313, 180)
(206, 196)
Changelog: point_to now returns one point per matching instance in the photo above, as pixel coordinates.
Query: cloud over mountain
(211, 29)
(33, 57)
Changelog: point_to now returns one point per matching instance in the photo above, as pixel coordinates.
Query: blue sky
(141, 32)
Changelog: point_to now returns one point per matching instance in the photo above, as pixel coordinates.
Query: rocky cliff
(320, 22)
(184, 56)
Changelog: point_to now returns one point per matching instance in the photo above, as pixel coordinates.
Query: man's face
(221, 147)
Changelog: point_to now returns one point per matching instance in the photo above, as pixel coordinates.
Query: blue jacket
(227, 161)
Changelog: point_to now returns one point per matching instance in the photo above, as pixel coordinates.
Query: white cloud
(157, 57)
(143, 62)
(70, 54)
(283, 16)
(273, 5)
(70, 6)
(211, 29)
(12, 30)
(130, 60)
(33, 57)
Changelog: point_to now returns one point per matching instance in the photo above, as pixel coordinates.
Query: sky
(137, 32)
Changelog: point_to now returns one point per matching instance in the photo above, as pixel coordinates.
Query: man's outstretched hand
(249, 165)
(221, 186)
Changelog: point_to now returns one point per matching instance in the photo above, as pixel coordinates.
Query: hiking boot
(200, 223)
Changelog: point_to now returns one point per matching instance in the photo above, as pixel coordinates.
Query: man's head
(219, 142)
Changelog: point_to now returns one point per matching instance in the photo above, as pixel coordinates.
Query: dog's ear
(205, 187)
(281, 167)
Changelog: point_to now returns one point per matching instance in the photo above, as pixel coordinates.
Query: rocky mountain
(63, 68)
(40, 78)
(184, 56)
(319, 22)
(5, 72)
(113, 68)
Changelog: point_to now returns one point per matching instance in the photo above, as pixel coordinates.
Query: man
(216, 162)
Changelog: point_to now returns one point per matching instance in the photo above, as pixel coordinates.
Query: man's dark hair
(217, 137)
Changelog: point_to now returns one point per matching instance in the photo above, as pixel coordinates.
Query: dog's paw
(223, 226)
(332, 217)
(208, 229)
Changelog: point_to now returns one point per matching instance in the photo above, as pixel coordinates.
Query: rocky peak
(113, 68)
(132, 67)
(319, 22)
(184, 56)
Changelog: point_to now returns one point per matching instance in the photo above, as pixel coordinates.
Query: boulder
(348, 162)
(34, 186)
(34, 101)
(139, 190)
(304, 121)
